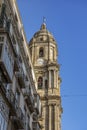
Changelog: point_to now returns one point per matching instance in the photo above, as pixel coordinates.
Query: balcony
(36, 126)
(9, 95)
(37, 104)
(29, 100)
(5, 63)
(21, 78)
(4, 21)
(4, 25)
(16, 113)
(2, 14)
(18, 120)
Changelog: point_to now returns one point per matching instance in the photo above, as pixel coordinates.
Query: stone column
(56, 118)
(55, 78)
(43, 116)
(47, 117)
(50, 117)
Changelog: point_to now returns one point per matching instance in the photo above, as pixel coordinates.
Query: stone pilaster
(54, 78)
(50, 117)
(43, 116)
(49, 79)
(56, 118)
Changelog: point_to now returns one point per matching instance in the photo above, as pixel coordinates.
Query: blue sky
(67, 20)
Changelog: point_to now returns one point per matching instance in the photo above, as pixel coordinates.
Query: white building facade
(20, 104)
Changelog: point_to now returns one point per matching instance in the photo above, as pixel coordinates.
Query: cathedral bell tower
(43, 50)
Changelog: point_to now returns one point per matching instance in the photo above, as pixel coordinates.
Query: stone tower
(43, 50)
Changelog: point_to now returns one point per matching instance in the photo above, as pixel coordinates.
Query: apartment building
(20, 104)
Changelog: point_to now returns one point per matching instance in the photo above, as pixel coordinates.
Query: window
(41, 52)
(8, 58)
(41, 39)
(40, 82)
(8, 25)
(52, 79)
(1, 38)
(46, 84)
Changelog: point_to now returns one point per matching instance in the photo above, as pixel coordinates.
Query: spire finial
(44, 19)
(43, 26)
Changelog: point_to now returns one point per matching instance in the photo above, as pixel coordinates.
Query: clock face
(40, 61)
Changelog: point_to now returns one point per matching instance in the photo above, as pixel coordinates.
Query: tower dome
(43, 35)
(43, 46)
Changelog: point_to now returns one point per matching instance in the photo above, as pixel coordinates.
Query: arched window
(41, 52)
(40, 82)
(52, 79)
